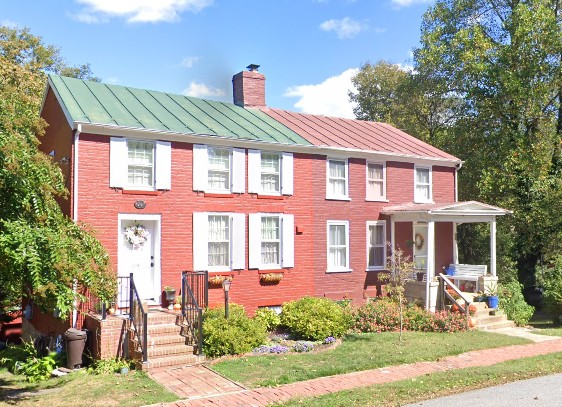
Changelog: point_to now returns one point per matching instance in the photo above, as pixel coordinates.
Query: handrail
(139, 318)
(192, 306)
(444, 281)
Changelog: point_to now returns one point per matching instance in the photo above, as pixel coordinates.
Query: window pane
(376, 257)
(337, 187)
(219, 159)
(270, 162)
(337, 235)
(140, 157)
(422, 192)
(219, 180)
(338, 257)
(219, 240)
(270, 252)
(270, 234)
(375, 171)
(270, 228)
(270, 182)
(422, 175)
(337, 169)
(219, 169)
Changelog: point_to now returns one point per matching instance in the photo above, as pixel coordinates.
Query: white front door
(137, 255)
(420, 246)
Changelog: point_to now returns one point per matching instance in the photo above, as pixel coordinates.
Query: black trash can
(75, 341)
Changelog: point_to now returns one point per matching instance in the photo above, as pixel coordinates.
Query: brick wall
(107, 338)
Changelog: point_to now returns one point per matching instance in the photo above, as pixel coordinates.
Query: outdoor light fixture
(226, 288)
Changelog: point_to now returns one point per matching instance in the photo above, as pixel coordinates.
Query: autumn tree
(43, 254)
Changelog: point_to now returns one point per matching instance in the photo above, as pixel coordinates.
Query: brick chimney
(249, 87)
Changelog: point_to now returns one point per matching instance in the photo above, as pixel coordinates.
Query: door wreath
(419, 241)
(136, 235)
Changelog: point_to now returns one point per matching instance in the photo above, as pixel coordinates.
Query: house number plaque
(140, 204)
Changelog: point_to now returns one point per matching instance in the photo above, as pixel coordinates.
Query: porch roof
(459, 212)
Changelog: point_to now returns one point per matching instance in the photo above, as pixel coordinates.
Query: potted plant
(491, 291)
(216, 280)
(177, 304)
(271, 277)
(170, 295)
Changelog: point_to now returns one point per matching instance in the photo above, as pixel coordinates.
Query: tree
(43, 254)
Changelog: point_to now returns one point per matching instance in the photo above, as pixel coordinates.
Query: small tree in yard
(401, 270)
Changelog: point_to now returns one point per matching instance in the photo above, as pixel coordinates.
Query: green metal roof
(99, 103)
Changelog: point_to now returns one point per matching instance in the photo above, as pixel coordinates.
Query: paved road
(538, 392)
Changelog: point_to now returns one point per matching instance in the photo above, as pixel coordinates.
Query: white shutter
(287, 173)
(163, 165)
(238, 241)
(200, 241)
(238, 170)
(254, 240)
(288, 245)
(118, 162)
(254, 171)
(200, 174)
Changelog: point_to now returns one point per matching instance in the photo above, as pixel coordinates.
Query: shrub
(550, 277)
(25, 360)
(268, 318)
(314, 318)
(107, 366)
(233, 336)
(378, 315)
(513, 303)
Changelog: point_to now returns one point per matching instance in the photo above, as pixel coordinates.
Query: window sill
(376, 200)
(276, 197)
(228, 273)
(140, 192)
(272, 270)
(423, 202)
(339, 271)
(375, 269)
(216, 195)
(338, 198)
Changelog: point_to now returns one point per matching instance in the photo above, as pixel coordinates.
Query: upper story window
(337, 179)
(271, 240)
(139, 164)
(338, 246)
(218, 241)
(270, 173)
(376, 245)
(219, 169)
(422, 184)
(376, 182)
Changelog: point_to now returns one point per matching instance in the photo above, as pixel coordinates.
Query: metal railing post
(131, 287)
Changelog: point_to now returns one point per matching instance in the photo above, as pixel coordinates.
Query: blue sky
(308, 49)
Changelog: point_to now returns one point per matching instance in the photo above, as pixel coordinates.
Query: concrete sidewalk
(199, 386)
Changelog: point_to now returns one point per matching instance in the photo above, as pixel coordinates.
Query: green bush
(108, 366)
(314, 318)
(268, 318)
(233, 336)
(549, 276)
(25, 360)
(513, 303)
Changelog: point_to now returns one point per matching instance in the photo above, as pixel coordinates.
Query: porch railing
(444, 284)
(194, 299)
(139, 318)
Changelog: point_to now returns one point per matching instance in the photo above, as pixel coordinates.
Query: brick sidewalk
(202, 387)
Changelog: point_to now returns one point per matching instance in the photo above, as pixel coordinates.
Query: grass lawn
(83, 389)
(437, 384)
(356, 353)
(545, 325)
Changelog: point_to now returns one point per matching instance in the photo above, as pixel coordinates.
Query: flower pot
(493, 301)
(170, 295)
(216, 280)
(420, 276)
(271, 277)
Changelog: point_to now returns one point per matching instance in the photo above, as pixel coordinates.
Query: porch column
(493, 246)
(392, 242)
(455, 245)
(430, 260)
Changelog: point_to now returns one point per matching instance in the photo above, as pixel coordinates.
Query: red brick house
(241, 190)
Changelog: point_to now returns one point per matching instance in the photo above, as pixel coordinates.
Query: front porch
(427, 246)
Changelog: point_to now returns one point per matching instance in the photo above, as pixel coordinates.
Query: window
(271, 240)
(218, 241)
(219, 169)
(139, 164)
(270, 173)
(337, 185)
(338, 246)
(376, 245)
(376, 188)
(422, 184)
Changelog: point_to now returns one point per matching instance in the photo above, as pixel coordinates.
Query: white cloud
(188, 62)
(328, 98)
(200, 90)
(344, 28)
(407, 3)
(10, 24)
(112, 80)
(138, 11)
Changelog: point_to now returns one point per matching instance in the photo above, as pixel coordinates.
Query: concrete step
(498, 325)
(170, 361)
(490, 319)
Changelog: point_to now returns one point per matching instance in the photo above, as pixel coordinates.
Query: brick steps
(486, 322)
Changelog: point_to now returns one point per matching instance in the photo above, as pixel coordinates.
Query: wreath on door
(136, 235)
(419, 241)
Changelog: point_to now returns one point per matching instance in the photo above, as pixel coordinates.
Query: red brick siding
(443, 184)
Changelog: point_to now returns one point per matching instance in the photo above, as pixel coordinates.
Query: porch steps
(486, 322)
(167, 346)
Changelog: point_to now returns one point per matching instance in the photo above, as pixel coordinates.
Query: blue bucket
(493, 302)
(450, 271)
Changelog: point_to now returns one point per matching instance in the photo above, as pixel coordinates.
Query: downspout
(75, 211)
(455, 242)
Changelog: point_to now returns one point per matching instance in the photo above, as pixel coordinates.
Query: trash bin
(75, 341)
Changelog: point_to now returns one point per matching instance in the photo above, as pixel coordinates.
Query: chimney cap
(253, 67)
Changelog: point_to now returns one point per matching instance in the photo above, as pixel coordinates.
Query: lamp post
(226, 288)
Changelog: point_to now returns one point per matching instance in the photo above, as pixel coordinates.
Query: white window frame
(279, 174)
(237, 238)
(220, 190)
(331, 268)
(383, 245)
(370, 197)
(329, 195)
(152, 165)
(417, 198)
(236, 170)
(286, 241)
(255, 173)
(229, 220)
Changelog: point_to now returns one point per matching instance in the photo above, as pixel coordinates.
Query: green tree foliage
(42, 252)
(497, 67)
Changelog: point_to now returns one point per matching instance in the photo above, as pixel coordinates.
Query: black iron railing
(444, 295)
(194, 299)
(139, 318)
